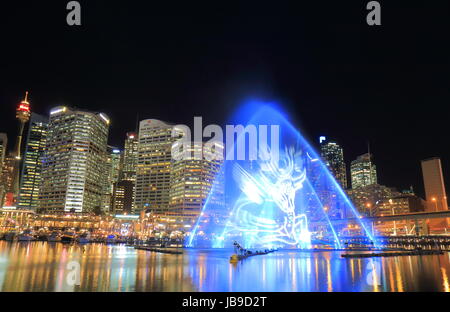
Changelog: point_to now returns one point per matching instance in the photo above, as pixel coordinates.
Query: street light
(433, 199)
(368, 205)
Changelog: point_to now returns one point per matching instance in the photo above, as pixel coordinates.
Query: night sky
(331, 72)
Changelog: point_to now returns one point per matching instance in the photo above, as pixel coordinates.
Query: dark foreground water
(41, 266)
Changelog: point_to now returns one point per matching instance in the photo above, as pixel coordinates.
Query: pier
(394, 254)
(166, 251)
(410, 242)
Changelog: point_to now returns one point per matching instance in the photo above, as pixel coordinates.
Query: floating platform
(173, 252)
(235, 258)
(394, 254)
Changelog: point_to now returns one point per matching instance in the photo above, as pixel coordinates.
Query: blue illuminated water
(40, 266)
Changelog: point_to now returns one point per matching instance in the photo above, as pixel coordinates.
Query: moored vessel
(54, 237)
(25, 236)
(84, 238)
(67, 237)
(11, 236)
(111, 239)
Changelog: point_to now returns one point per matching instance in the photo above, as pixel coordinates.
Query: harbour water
(42, 266)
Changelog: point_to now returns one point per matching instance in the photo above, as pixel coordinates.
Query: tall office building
(193, 179)
(127, 190)
(113, 165)
(333, 156)
(434, 184)
(73, 171)
(3, 147)
(115, 158)
(3, 151)
(7, 178)
(30, 180)
(363, 171)
(130, 157)
(153, 166)
(122, 199)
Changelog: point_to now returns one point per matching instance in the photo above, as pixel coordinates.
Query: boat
(67, 237)
(111, 239)
(54, 237)
(42, 236)
(84, 238)
(25, 236)
(10, 236)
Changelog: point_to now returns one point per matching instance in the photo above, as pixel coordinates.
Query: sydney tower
(23, 115)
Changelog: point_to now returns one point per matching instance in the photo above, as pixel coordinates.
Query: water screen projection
(288, 201)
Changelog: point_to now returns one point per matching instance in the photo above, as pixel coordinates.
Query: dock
(160, 250)
(394, 254)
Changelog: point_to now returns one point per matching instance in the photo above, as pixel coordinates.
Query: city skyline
(124, 145)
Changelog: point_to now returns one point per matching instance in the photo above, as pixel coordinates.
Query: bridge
(411, 216)
(415, 216)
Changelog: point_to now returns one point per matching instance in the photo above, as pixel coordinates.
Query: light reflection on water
(41, 266)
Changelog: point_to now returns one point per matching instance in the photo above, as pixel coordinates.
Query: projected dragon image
(291, 201)
(274, 186)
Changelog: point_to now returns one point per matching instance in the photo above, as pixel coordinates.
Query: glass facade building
(113, 170)
(154, 165)
(333, 156)
(7, 180)
(3, 147)
(192, 181)
(123, 197)
(73, 170)
(30, 180)
(174, 183)
(130, 157)
(363, 171)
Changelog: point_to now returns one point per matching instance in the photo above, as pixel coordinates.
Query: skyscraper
(333, 156)
(363, 171)
(192, 181)
(7, 181)
(434, 184)
(130, 157)
(113, 165)
(3, 150)
(153, 166)
(115, 157)
(30, 181)
(73, 171)
(168, 184)
(122, 201)
(125, 190)
(3, 147)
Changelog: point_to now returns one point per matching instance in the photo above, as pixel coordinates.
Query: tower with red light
(23, 110)
(23, 115)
